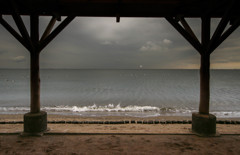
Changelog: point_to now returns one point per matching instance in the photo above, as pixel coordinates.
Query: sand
(117, 138)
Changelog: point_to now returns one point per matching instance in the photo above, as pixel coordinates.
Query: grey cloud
(103, 43)
(19, 59)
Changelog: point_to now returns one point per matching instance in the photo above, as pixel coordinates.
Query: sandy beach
(117, 138)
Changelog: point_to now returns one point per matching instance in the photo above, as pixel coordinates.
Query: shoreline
(51, 117)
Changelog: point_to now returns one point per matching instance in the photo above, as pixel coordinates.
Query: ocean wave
(117, 110)
(104, 108)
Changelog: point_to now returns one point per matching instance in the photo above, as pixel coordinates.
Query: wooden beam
(20, 24)
(195, 43)
(188, 28)
(222, 25)
(34, 26)
(60, 27)
(49, 28)
(225, 35)
(14, 33)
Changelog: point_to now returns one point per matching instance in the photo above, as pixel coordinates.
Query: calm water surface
(140, 93)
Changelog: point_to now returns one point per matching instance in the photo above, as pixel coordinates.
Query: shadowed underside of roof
(123, 8)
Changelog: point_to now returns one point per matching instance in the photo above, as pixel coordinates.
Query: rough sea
(138, 93)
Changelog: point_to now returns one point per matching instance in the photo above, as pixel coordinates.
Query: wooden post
(204, 84)
(35, 83)
(35, 76)
(205, 67)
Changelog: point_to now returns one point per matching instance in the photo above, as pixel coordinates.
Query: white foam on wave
(117, 110)
(105, 108)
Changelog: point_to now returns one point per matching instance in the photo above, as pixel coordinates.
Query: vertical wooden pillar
(205, 67)
(34, 68)
(204, 84)
(203, 123)
(35, 83)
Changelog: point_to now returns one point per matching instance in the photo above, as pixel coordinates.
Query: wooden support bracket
(55, 32)
(49, 28)
(188, 28)
(225, 35)
(185, 33)
(20, 24)
(14, 33)
(221, 27)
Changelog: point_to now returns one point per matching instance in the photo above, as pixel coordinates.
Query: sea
(135, 93)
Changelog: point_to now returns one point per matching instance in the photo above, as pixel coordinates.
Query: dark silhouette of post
(204, 123)
(204, 84)
(34, 68)
(35, 122)
(205, 66)
(35, 83)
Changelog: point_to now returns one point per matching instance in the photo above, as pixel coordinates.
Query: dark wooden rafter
(14, 33)
(186, 33)
(20, 24)
(221, 27)
(49, 28)
(187, 28)
(226, 34)
(55, 32)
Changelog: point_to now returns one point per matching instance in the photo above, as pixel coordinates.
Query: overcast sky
(101, 43)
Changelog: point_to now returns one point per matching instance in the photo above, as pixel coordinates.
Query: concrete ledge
(35, 124)
(203, 124)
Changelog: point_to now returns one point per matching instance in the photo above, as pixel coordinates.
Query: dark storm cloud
(103, 43)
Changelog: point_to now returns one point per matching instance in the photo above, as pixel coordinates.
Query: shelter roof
(123, 8)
